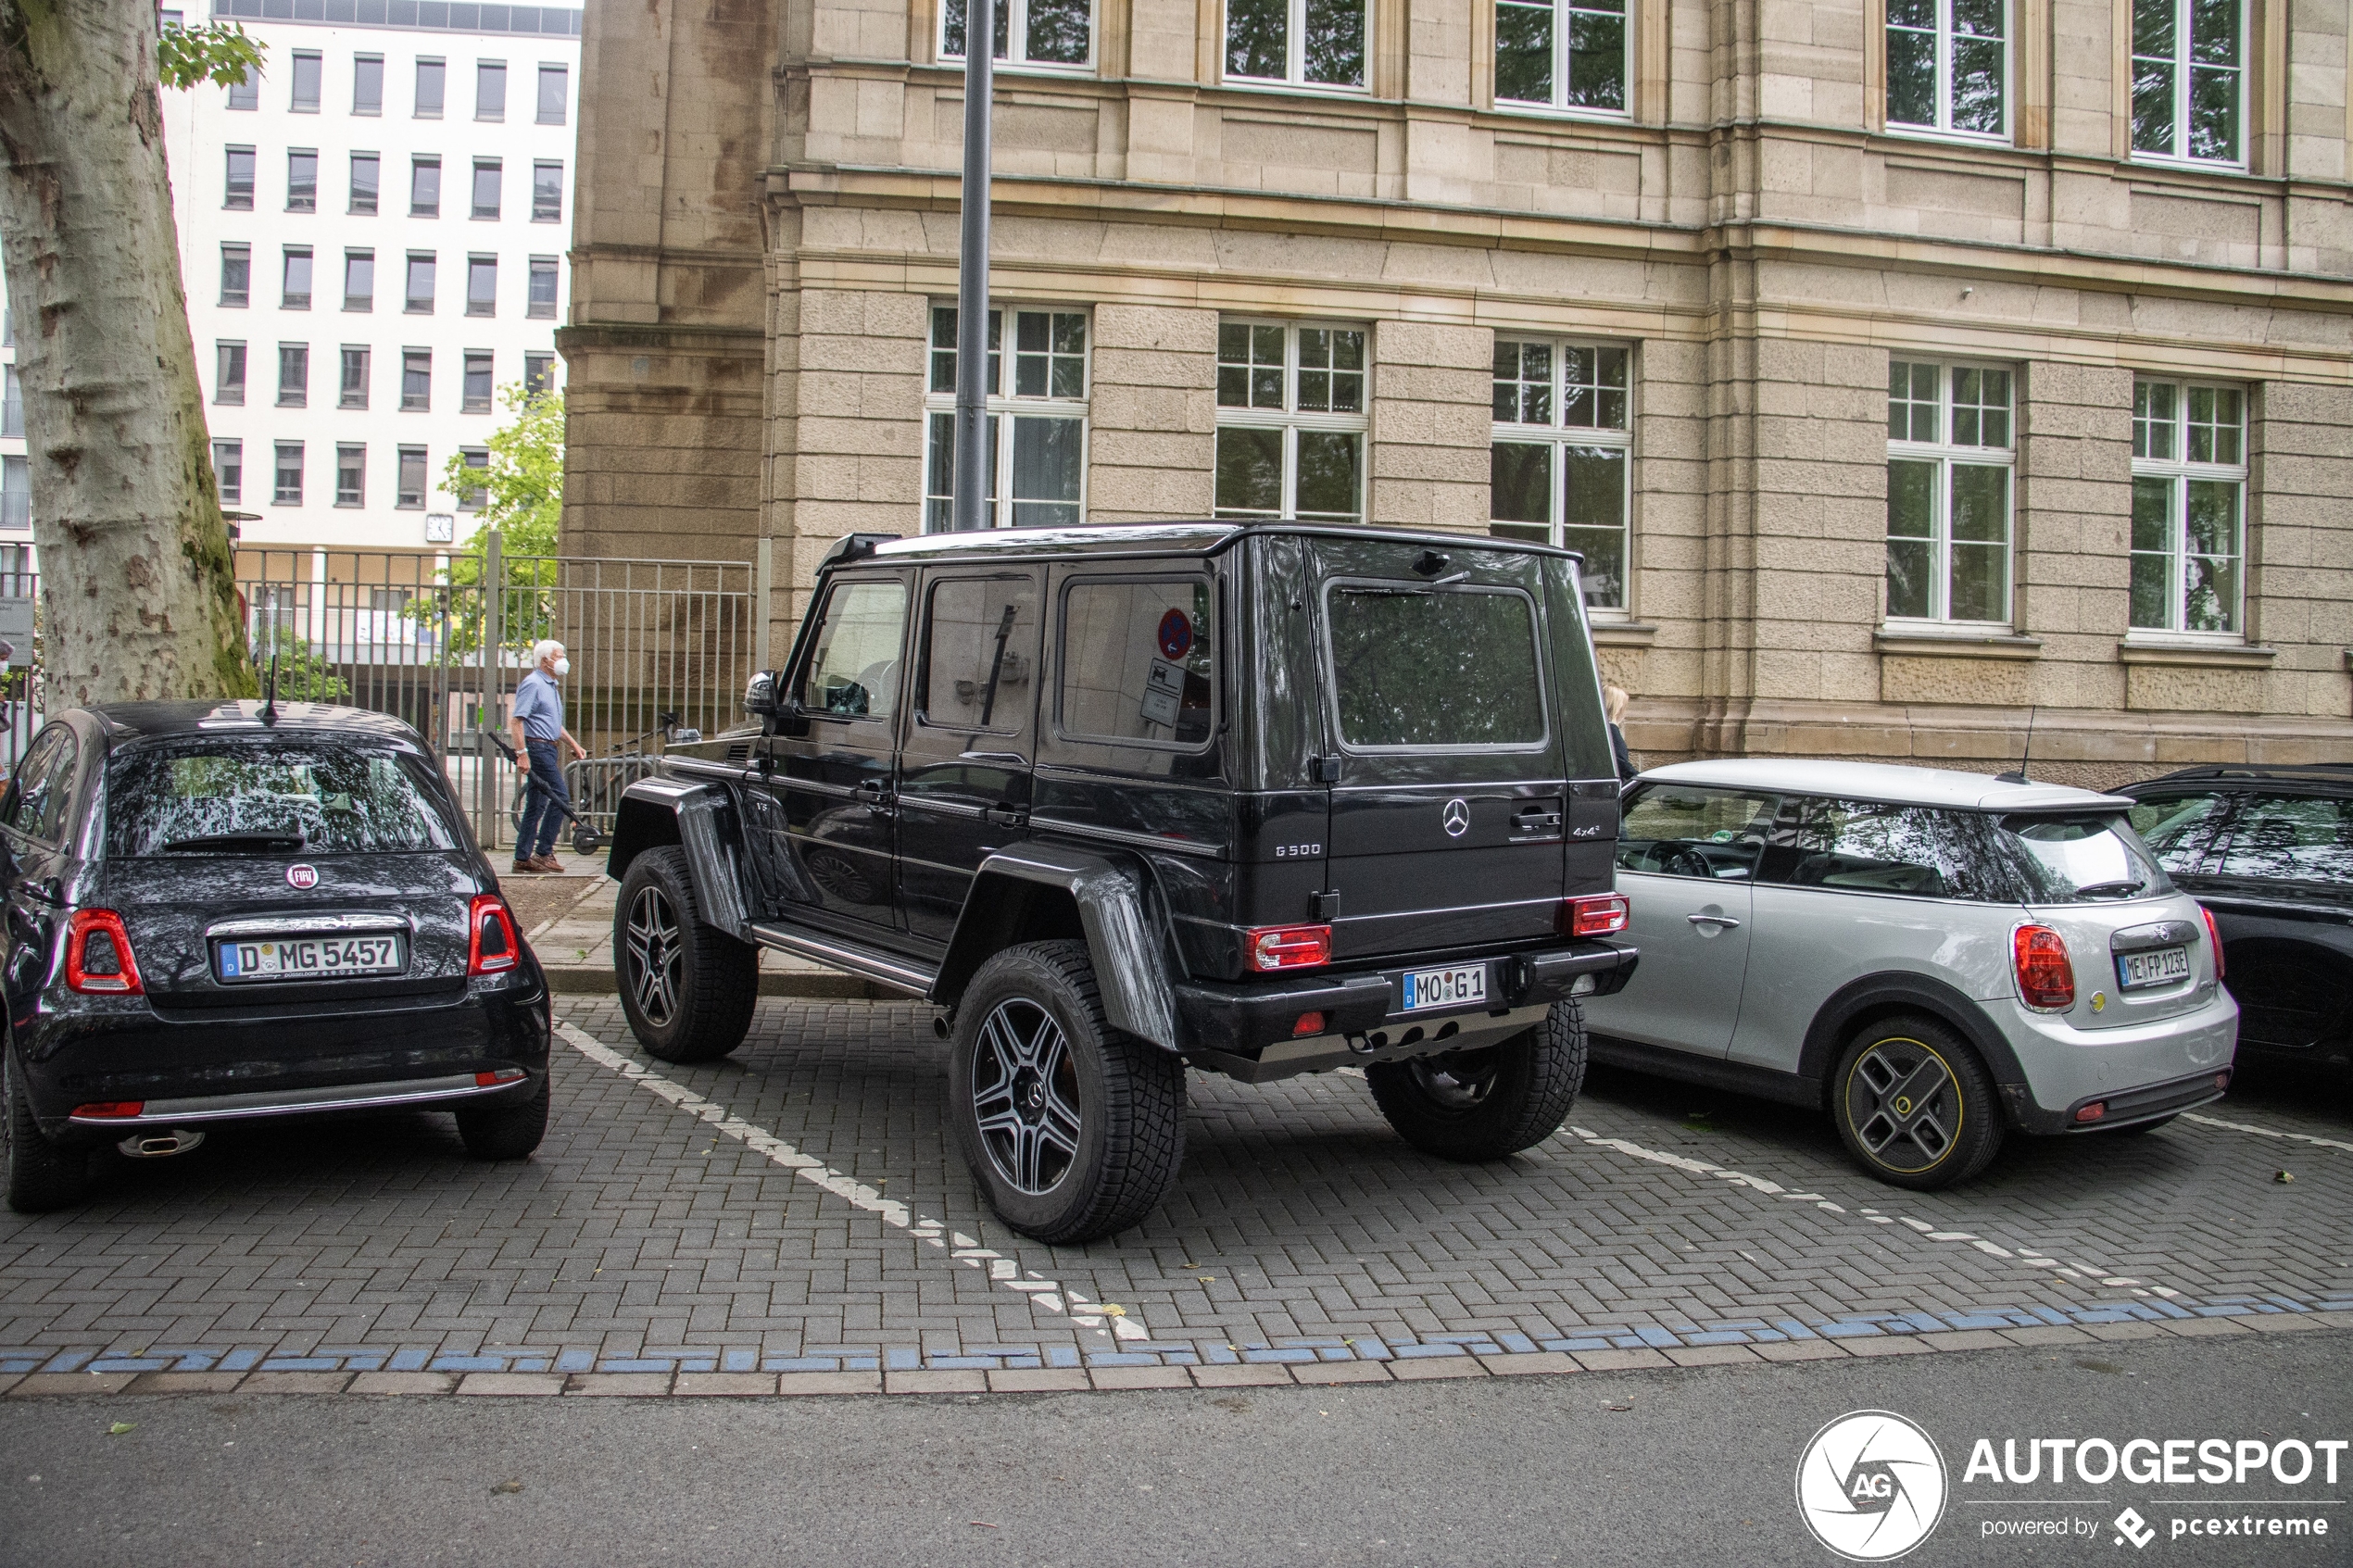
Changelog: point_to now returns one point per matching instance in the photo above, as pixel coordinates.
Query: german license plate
(2158, 966)
(309, 957)
(1427, 988)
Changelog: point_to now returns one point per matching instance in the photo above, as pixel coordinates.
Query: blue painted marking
(469, 1363)
(1301, 1354)
(573, 1361)
(410, 1360)
(303, 1364)
(1062, 1355)
(129, 1363)
(1118, 1358)
(67, 1360)
(903, 1360)
(801, 1363)
(634, 1363)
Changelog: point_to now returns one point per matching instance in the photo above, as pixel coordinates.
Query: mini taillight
(110, 1110)
(2093, 1111)
(494, 946)
(1595, 914)
(2213, 939)
(99, 957)
(1270, 948)
(2046, 980)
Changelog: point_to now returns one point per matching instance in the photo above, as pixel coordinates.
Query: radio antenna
(2017, 774)
(269, 692)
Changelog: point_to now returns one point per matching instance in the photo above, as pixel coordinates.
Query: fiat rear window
(223, 797)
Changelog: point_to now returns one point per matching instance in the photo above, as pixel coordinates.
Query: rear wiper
(256, 843)
(2122, 889)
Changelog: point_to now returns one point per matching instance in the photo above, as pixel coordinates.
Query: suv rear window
(231, 798)
(1435, 669)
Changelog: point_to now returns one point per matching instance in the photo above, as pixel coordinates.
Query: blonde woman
(1614, 701)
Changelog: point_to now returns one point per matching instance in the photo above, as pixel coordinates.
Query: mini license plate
(1427, 988)
(2158, 966)
(309, 958)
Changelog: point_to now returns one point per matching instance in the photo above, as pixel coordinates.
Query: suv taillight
(98, 958)
(2213, 939)
(494, 946)
(1595, 914)
(2046, 979)
(1270, 948)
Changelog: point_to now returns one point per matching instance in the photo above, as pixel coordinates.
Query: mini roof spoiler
(852, 546)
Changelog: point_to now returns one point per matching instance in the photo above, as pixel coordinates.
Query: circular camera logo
(1871, 1485)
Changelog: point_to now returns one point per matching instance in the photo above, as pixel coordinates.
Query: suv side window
(980, 658)
(1914, 851)
(853, 671)
(1680, 829)
(1136, 662)
(2178, 830)
(2289, 838)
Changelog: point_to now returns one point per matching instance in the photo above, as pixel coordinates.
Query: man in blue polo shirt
(537, 726)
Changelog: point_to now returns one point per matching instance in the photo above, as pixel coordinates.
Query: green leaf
(217, 52)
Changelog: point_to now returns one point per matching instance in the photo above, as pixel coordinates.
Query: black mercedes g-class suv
(1257, 798)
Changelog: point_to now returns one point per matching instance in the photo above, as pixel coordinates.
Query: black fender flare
(701, 820)
(1836, 1019)
(1114, 903)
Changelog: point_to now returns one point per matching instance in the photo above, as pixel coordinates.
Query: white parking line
(1107, 1320)
(2266, 1131)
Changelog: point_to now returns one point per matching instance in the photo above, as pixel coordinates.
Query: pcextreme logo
(1871, 1485)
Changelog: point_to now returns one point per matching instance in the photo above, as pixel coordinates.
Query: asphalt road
(1659, 1467)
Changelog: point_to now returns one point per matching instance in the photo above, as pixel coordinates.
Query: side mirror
(760, 695)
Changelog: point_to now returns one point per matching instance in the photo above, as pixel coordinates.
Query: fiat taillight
(98, 958)
(494, 946)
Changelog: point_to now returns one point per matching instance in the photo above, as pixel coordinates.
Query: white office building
(372, 239)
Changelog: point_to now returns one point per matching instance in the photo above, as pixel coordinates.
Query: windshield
(2081, 858)
(231, 796)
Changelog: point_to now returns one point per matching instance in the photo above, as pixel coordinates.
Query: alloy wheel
(656, 952)
(1025, 1096)
(1904, 1104)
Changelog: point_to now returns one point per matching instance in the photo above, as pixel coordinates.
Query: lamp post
(974, 459)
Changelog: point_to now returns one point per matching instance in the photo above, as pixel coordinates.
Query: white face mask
(562, 666)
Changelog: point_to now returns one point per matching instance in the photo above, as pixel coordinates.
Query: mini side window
(980, 658)
(1136, 662)
(1674, 830)
(853, 671)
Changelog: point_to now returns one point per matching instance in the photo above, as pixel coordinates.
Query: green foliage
(217, 52)
(522, 498)
(304, 675)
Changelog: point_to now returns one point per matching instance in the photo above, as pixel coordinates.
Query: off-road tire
(1492, 1102)
(506, 1132)
(1955, 1120)
(710, 981)
(39, 1175)
(1128, 1094)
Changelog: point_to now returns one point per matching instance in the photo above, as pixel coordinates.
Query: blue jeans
(544, 804)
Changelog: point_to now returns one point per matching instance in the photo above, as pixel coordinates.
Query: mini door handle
(1727, 922)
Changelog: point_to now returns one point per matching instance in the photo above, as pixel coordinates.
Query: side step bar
(838, 952)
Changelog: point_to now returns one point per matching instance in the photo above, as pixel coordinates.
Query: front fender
(1112, 902)
(701, 820)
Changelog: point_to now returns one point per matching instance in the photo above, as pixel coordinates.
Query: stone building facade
(1905, 367)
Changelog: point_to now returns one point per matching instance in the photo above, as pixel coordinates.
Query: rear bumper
(2119, 1110)
(190, 1110)
(2138, 1072)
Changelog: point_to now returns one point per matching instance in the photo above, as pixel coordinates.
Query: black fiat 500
(219, 911)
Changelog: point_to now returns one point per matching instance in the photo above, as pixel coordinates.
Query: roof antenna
(2017, 774)
(270, 690)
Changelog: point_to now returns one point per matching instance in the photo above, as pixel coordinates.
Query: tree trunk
(138, 594)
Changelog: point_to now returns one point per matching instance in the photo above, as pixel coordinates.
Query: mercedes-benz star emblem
(1455, 819)
(302, 876)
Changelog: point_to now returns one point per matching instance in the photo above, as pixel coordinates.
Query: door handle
(1005, 816)
(1534, 818)
(1727, 922)
(876, 798)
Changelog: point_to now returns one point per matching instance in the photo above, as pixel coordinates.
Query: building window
(229, 472)
(245, 91)
(237, 273)
(538, 374)
(555, 91)
(1561, 463)
(2187, 71)
(416, 379)
(364, 178)
(432, 76)
(228, 372)
(1037, 426)
(418, 295)
(1029, 33)
(1562, 53)
(355, 376)
(541, 301)
(424, 187)
(15, 501)
(547, 193)
(307, 73)
(287, 491)
(1319, 43)
(477, 490)
(1949, 65)
(2189, 506)
(486, 182)
(475, 392)
(366, 84)
(11, 403)
(482, 285)
(351, 476)
(296, 295)
(302, 181)
(490, 90)
(293, 376)
(1291, 421)
(1949, 492)
(237, 193)
(359, 279)
(413, 479)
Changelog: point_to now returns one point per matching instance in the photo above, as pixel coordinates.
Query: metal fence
(440, 641)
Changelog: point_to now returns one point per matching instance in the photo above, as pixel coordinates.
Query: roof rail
(850, 547)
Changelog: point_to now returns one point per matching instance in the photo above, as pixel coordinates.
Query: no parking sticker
(1176, 635)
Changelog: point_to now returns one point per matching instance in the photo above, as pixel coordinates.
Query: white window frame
(1558, 434)
(2179, 155)
(2179, 470)
(1945, 130)
(1291, 419)
(1944, 453)
(1006, 408)
(1294, 77)
(1017, 31)
(1561, 12)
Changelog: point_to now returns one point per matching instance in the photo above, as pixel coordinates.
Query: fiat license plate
(2158, 966)
(309, 957)
(1427, 988)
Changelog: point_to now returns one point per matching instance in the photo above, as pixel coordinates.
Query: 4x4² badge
(1456, 818)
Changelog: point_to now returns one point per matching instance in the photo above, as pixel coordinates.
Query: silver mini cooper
(1933, 956)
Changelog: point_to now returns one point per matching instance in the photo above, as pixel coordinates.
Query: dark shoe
(546, 863)
(523, 866)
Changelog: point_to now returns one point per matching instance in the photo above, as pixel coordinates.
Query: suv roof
(1192, 538)
(2313, 773)
(1886, 781)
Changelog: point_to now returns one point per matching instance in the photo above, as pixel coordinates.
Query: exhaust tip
(939, 1024)
(160, 1146)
